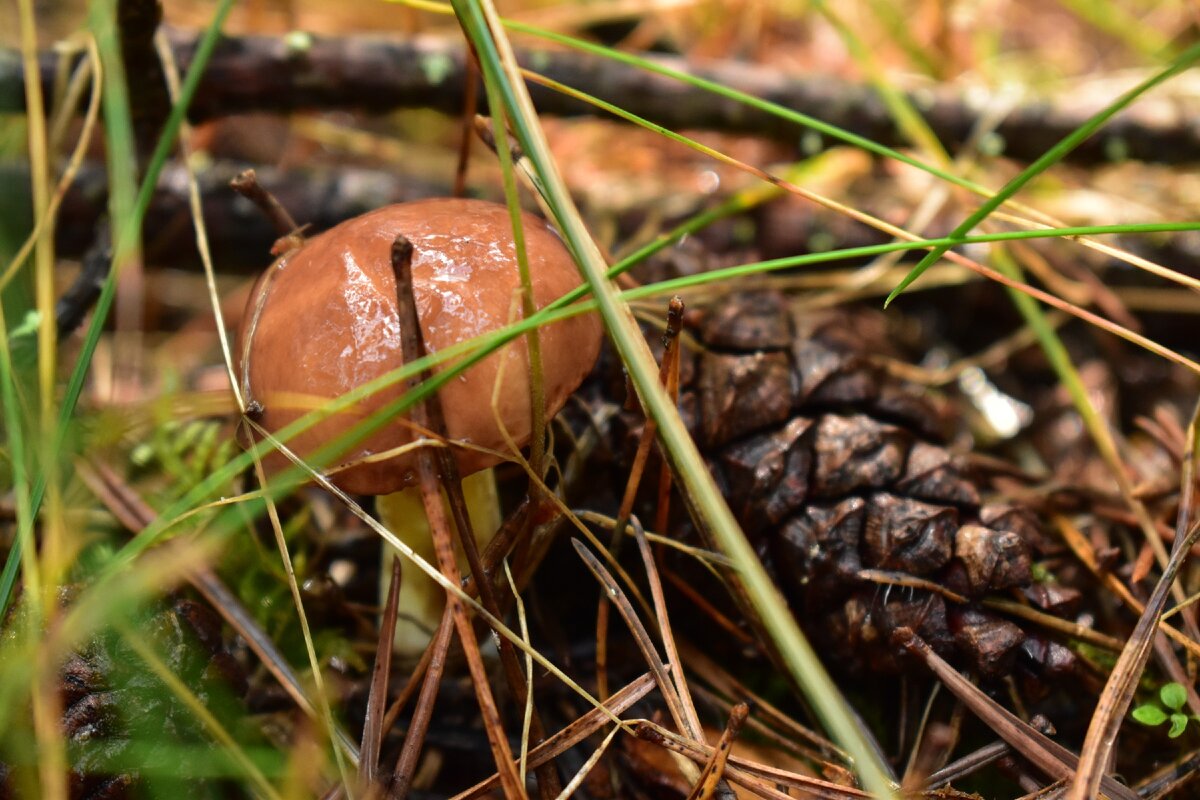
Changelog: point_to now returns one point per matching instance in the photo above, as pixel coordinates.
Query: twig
(74, 303)
(645, 644)
(752, 775)
(675, 309)
(549, 785)
(262, 73)
(368, 758)
(1051, 758)
(412, 348)
(574, 733)
(414, 740)
(246, 184)
(645, 440)
(1122, 682)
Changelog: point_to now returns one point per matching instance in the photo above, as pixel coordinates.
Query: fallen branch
(261, 73)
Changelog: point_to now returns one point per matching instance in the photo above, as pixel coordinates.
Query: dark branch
(257, 73)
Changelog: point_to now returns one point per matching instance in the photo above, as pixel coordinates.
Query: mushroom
(323, 320)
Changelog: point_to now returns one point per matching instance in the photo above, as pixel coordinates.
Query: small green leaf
(1173, 695)
(1149, 714)
(1178, 724)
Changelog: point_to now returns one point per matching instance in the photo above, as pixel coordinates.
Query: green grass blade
(715, 516)
(1050, 157)
(127, 214)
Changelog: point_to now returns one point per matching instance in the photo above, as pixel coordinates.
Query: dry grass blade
(171, 72)
(713, 773)
(644, 642)
(674, 663)
(1083, 551)
(574, 733)
(758, 778)
(1050, 757)
(1122, 682)
(368, 762)
(527, 717)
(962, 767)
(412, 348)
(588, 766)
(734, 691)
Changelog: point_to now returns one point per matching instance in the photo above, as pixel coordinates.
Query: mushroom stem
(422, 600)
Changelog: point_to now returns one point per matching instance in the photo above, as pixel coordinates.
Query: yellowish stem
(421, 599)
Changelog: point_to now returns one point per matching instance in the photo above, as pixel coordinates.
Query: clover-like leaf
(1173, 695)
(1149, 714)
(1178, 724)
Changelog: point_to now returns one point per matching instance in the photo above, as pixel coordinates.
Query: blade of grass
(479, 19)
(1051, 157)
(1004, 277)
(46, 703)
(537, 389)
(466, 354)
(126, 212)
(911, 121)
(766, 106)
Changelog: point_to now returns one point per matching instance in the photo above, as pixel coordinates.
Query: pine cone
(115, 711)
(839, 471)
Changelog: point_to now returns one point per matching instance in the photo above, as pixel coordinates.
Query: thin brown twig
(645, 441)
(414, 740)
(671, 357)
(368, 759)
(1051, 758)
(246, 184)
(412, 348)
(1122, 681)
(549, 784)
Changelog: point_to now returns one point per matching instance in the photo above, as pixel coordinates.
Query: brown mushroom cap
(329, 324)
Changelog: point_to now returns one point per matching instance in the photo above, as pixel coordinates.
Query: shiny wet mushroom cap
(323, 321)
